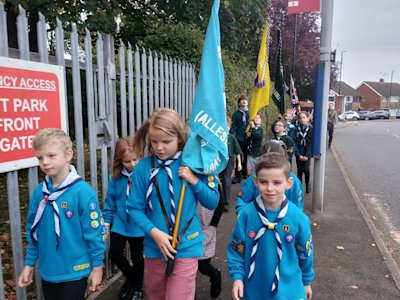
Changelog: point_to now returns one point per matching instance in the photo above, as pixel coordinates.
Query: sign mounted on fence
(302, 6)
(32, 97)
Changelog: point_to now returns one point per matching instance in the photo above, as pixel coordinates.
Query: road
(369, 151)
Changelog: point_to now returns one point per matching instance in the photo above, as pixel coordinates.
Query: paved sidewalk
(348, 262)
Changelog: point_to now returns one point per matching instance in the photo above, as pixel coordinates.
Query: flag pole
(294, 45)
(174, 243)
(209, 103)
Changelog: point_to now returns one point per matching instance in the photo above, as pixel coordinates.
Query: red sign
(301, 6)
(31, 98)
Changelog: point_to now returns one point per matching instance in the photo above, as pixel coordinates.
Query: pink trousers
(180, 285)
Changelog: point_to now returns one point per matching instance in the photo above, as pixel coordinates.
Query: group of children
(295, 133)
(66, 230)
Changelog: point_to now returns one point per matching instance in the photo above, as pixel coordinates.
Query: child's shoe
(216, 285)
(137, 295)
(308, 188)
(125, 290)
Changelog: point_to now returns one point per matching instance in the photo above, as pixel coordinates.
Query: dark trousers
(330, 133)
(206, 268)
(64, 290)
(303, 167)
(117, 245)
(243, 173)
(226, 181)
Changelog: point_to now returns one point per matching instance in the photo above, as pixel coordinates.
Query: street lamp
(390, 90)
(340, 77)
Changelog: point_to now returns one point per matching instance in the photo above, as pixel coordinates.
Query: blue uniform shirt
(248, 193)
(82, 235)
(205, 191)
(114, 210)
(297, 254)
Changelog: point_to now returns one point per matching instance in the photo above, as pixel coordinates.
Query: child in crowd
(280, 135)
(234, 152)
(123, 229)
(240, 121)
(270, 253)
(278, 118)
(254, 140)
(209, 220)
(157, 183)
(290, 124)
(64, 225)
(249, 192)
(303, 148)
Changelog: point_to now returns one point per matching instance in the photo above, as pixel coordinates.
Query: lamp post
(340, 77)
(390, 89)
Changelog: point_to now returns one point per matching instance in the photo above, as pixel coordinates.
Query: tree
(307, 46)
(240, 21)
(95, 15)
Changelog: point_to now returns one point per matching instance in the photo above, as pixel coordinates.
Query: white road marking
(395, 135)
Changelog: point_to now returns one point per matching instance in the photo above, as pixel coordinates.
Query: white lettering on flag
(213, 166)
(293, 3)
(212, 126)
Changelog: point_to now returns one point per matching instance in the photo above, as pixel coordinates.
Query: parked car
(349, 115)
(366, 115)
(381, 114)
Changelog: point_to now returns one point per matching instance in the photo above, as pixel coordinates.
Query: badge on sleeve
(234, 245)
(94, 224)
(94, 215)
(211, 185)
(286, 228)
(210, 178)
(92, 206)
(300, 197)
(63, 204)
(240, 248)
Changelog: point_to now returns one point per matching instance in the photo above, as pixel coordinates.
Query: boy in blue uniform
(65, 228)
(248, 191)
(270, 254)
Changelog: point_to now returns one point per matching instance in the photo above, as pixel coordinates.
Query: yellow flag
(262, 83)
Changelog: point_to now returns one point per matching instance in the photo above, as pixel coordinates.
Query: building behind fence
(112, 93)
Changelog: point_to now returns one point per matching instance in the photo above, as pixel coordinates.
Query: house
(307, 106)
(344, 97)
(379, 95)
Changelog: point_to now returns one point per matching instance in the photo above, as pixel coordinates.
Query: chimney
(382, 80)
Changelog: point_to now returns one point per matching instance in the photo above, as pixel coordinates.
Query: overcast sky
(369, 32)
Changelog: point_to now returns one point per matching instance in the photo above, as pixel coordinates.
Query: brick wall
(370, 100)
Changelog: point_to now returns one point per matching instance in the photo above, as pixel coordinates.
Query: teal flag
(279, 95)
(206, 149)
